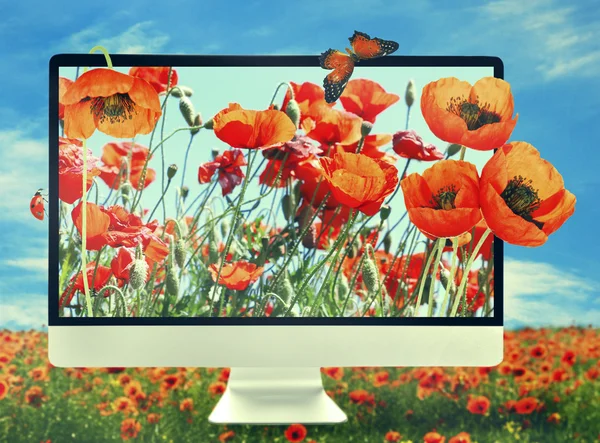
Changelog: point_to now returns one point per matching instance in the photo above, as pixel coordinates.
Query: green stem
(438, 244)
(450, 285)
(440, 249)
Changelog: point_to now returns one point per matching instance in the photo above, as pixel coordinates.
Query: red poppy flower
(242, 128)
(113, 156)
(295, 433)
(117, 104)
(102, 275)
(366, 98)
(285, 157)
(305, 94)
(359, 181)
(121, 263)
(63, 85)
(393, 436)
(70, 169)
(478, 405)
(526, 405)
(116, 227)
(230, 172)
(409, 144)
(332, 126)
(444, 202)
(478, 116)
(237, 276)
(158, 77)
(314, 187)
(523, 198)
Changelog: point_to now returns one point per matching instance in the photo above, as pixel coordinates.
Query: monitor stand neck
(276, 396)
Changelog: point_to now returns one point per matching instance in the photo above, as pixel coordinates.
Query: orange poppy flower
(463, 437)
(314, 187)
(371, 145)
(130, 428)
(237, 276)
(523, 198)
(444, 202)
(478, 116)
(358, 181)
(63, 85)
(305, 95)
(478, 405)
(158, 77)
(366, 98)
(332, 126)
(117, 104)
(242, 128)
(116, 227)
(393, 436)
(526, 405)
(70, 169)
(434, 437)
(113, 154)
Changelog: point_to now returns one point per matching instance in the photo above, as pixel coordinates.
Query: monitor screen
(233, 192)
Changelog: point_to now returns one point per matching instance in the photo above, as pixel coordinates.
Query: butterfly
(36, 206)
(363, 47)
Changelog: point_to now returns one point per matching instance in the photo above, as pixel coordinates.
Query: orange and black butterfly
(363, 47)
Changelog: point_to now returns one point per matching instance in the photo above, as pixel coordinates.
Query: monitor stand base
(276, 396)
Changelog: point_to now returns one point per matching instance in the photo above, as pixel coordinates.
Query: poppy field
(545, 391)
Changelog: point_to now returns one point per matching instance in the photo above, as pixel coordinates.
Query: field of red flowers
(545, 391)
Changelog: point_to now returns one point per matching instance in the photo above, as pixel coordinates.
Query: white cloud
(540, 294)
(139, 38)
(31, 264)
(542, 32)
(24, 311)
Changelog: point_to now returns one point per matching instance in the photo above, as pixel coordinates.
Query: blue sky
(552, 60)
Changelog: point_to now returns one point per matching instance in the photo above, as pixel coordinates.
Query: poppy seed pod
(172, 282)
(197, 124)
(384, 212)
(292, 110)
(184, 192)
(285, 291)
(365, 128)
(288, 205)
(276, 107)
(209, 124)
(187, 110)
(409, 97)
(387, 243)
(370, 274)
(138, 273)
(171, 171)
(342, 288)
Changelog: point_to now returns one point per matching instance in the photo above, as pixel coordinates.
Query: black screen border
(128, 60)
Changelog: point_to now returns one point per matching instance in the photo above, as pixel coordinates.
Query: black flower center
(474, 114)
(444, 199)
(116, 108)
(522, 199)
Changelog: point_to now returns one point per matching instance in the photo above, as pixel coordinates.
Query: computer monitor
(222, 229)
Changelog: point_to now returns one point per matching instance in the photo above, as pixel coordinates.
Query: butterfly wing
(366, 47)
(343, 66)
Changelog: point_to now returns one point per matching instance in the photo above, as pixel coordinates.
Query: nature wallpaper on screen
(239, 191)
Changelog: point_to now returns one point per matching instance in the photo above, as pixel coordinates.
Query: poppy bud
(171, 171)
(197, 123)
(138, 273)
(304, 217)
(180, 91)
(180, 253)
(187, 110)
(387, 242)
(365, 128)
(293, 112)
(445, 279)
(370, 273)
(209, 124)
(214, 153)
(453, 149)
(288, 205)
(342, 287)
(225, 228)
(172, 282)
(384, 213)
(184, 192)
(409, 97)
